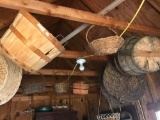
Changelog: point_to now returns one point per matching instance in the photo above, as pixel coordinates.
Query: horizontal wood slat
(64, 72)
(47, 97)
(76, 15)
(77, 54)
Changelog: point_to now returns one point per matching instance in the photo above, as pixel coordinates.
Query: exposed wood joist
(6, 17)
(64, 72)
(155, 4)
(77, 54)
(45, 97)
(76, 15)
(151, 84)
(48, 1)
(153, 106)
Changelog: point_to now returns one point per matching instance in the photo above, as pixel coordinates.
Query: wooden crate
(29, 44)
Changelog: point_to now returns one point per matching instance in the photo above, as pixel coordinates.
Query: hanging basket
(81, 88)
(107, 45)
(129, 88)
(61, 88)
(109, 116)
(34, 88)
(28, 44)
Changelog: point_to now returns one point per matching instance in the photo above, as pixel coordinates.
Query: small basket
(107, 45)
(34, 88)
(109, 116)
(61, 88)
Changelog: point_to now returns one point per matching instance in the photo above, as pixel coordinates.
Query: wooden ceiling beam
(76, 15)
(77, 54)
(155, 4)
(64, 72)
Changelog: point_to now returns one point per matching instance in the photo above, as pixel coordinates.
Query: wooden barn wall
(13, 109)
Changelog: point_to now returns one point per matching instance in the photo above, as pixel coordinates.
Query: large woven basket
(129, 88)
(10, 79)
(28, 44)
(105, 46)
(34, 88)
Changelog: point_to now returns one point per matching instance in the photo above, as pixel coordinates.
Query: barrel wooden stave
(127, 57)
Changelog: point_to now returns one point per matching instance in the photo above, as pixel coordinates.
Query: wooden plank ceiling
(71, 14)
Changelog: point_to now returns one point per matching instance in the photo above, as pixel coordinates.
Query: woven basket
(10, 79)
(107, 45)
(28, 44)
(109, 116)
(61, 88)
(129, 88)
(34, 88)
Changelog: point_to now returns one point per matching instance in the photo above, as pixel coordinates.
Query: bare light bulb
(81, 61)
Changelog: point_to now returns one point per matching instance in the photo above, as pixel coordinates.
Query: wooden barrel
(139, 55)
(10, 79)
(80, 87)
(29, 44)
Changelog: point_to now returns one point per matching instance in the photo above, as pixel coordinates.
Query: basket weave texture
(61, 88)
(10, 79)
(129, 88)
(107, 45)
(33, 88)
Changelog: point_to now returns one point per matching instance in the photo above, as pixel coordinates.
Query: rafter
(76, 54)
(76, 15)
(64, 72)
(155, 4)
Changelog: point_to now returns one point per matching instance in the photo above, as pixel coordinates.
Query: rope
(99, 102)
(71, 73)
(141, 110)
(75, 68)
(133, 17)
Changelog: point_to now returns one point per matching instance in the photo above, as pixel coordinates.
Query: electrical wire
(133, 18)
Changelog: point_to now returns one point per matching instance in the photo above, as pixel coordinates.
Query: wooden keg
(10, 79)
(139, 55)
(29, 44)
(80, 87)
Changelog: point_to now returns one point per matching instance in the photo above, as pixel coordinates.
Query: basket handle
(94, 26)
(42, 77)
(55, 74)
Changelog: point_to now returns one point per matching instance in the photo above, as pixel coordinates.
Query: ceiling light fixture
(81, 61)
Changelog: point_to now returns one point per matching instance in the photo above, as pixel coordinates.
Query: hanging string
(71, 73)
(141, 110)
(133, 18)
(99, 102)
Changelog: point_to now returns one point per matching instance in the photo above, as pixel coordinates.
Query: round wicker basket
(107, 45)
(128, 88)
(10, 79)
